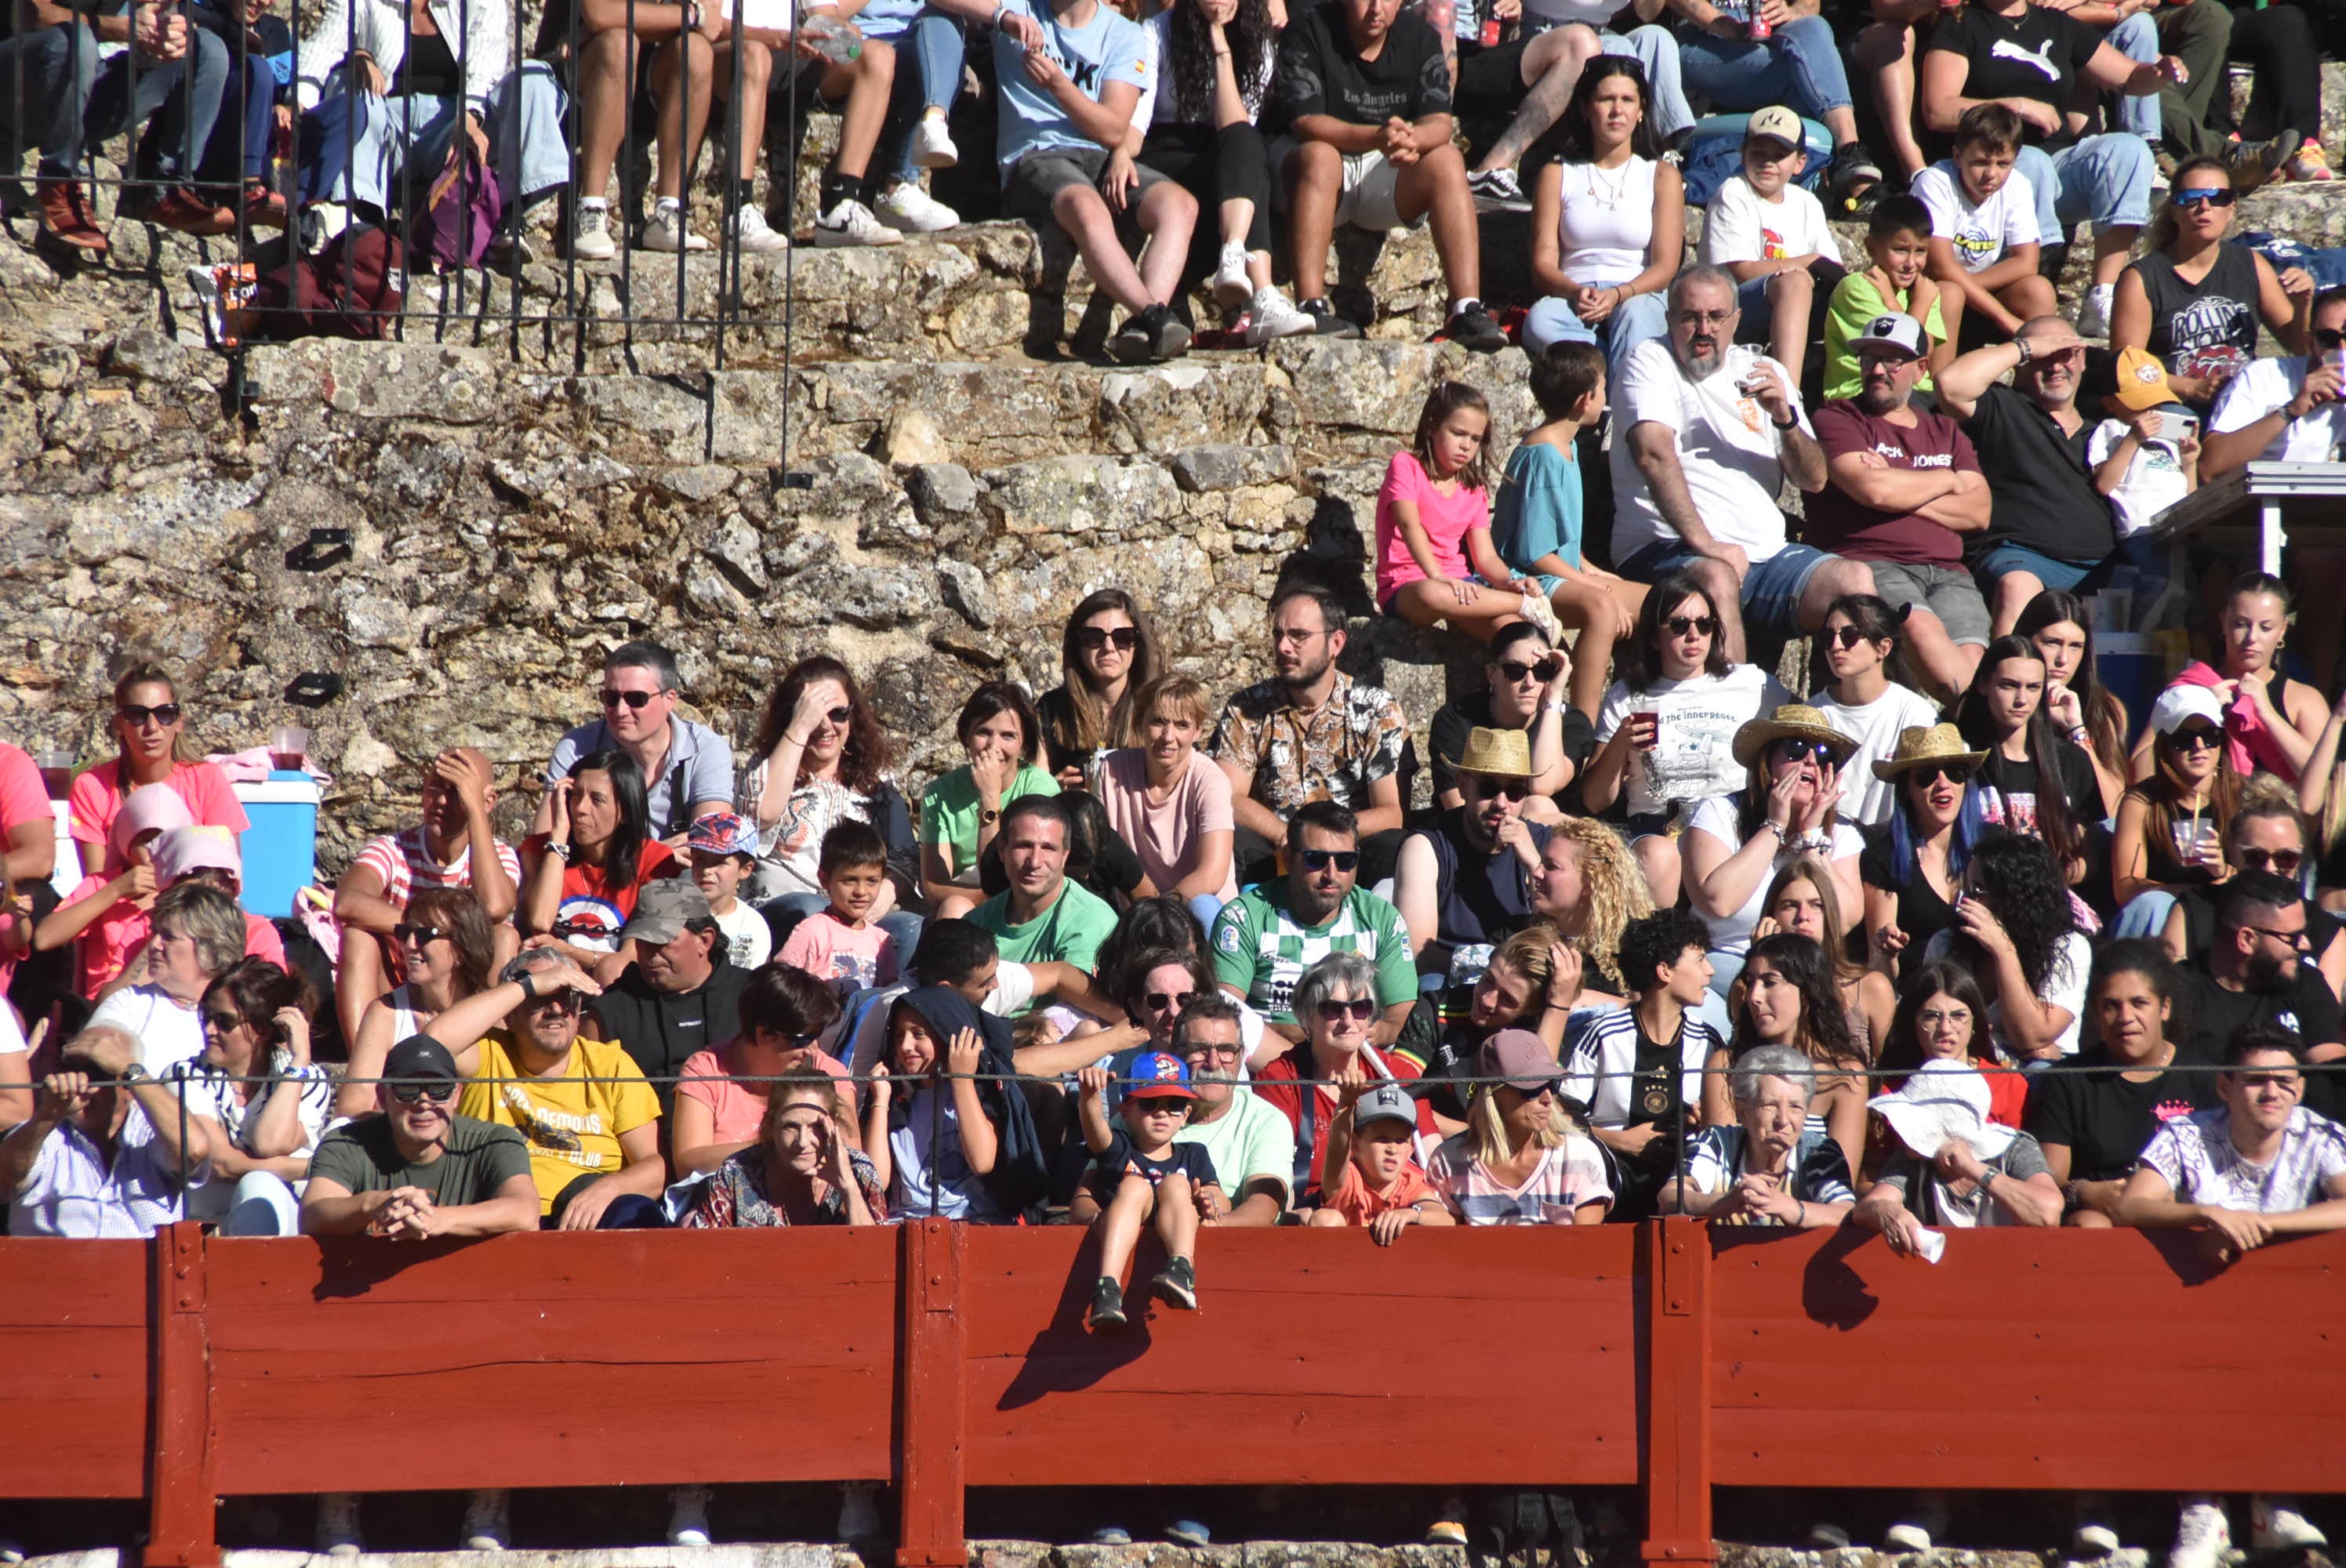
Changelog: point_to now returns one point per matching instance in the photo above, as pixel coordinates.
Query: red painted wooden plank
(180, 1500)
(932, 1443)
(74, 1351)
(1676, 1289)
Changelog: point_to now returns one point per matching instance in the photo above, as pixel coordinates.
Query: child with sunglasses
(1140, 1173)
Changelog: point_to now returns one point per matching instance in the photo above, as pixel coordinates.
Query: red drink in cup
(1761, 28)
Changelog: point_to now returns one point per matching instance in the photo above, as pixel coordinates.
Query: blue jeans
(177, 100)
(1632, 322)
(2002, 560)
(2136, 39)
(358, 149)
(2145, 915)
(1801, 66)
(2104, 179)
(935, 47)
(238, 150)
(58, 68)
(1771, 588)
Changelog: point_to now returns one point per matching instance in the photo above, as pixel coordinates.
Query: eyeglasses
(1847, 637)
(1514, 672)
(2286, 862)
(1124, 638)
(224, 1022)
(1700, 626)
(438, 1094)
(1321, 859)
(2194, 740)
(2202, 196)
(1168, 1001)
(420, 935)
(2296, 939)
(1217, 1053)
(636, 699)
(1703, 317)
(1955, 773)
(1361, 1007)
(165, 713)
(1282, 636)
(1802, 750)
(2329, 337)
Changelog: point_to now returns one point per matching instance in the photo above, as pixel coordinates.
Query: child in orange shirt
(1368, 1171)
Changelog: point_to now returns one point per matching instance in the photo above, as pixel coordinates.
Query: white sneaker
(2274, 1523)
(1541, 614)
(932, 143)
(2094, 1538)
(1926, 1516)
(688, 1520)
(667, 232)
(338, 1524)
(852, 223)
(2202, 1535)
(11, 1550)
(749, 228)
(859, 1512)
(2094, 315)
(1905, 1537)
(487, 1526)
(1230, 284)
(1273, 315)
(590, 232)
(906, 206)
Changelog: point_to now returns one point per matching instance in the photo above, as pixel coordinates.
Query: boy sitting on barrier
(1130, 1166)
(1367, 1170)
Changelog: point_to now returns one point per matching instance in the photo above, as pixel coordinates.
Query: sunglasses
(634, 699)
(1168, 1001)
(1504, 788)
(1533, 1093)
(1700, 626)
(1321, 859)
(1802, 750)
(1956, 773)
(2286, 862)
(2194, 740)
(2202, 198)
(224, 1022)
(2329, 337)
(438, 1094)
(420, 935)
(1514, 672)
(166, 714)
(840, 715)
(563, 1002)
(1846, 637)
(1124, 639)
(1361, 1007)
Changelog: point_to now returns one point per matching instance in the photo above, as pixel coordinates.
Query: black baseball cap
(419, 1058)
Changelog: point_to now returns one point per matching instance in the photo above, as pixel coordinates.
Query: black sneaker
(1473, 329)
(1325, 322)
(1497, 190)
(1108, 1302)
(1149, 337)
(1176, 1285)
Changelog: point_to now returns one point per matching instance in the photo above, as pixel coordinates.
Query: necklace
(1610, 201)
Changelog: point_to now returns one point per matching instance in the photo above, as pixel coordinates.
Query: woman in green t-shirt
(962, 809)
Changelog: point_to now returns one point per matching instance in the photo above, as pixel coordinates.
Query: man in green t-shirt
(1042, 917)
(418, 1169)
(1271, 933)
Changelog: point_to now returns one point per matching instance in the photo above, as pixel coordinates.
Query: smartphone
(2179, 427)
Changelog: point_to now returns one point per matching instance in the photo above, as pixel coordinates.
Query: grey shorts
(1037, 179)
(1947, 592)
(1370, 196)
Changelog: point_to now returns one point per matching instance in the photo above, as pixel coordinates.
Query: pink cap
(156, 808)
(194, 848)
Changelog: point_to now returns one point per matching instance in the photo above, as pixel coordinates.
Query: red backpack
(351, 286)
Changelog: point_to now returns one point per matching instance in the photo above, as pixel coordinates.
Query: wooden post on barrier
(181, 1507)
(930, 1459)
(1678, 1392)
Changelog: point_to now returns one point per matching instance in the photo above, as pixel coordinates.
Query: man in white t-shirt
(1712, 431)
(2285, 410)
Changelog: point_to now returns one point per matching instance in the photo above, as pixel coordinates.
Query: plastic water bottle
(833, 39)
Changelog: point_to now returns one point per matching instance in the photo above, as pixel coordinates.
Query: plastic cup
(289, 745)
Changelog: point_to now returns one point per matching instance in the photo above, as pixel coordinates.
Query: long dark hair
(2044, 745)
(1871, 615)
(863, 759)
(1640, 657)
(1189, 71)
(1906, 835)
(1078, 722)
(2022, 884)
(457, 912)
(1903, 1051)
(1575, 144)
(2162, 793)
(257, 988)
(621, 858)
(2105, 716)
(1823, 1035)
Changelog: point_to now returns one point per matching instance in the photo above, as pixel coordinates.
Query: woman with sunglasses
(150, 729)
(2017, 928)
(1912, 872)
(263, 1103)
(1335, 1003)
(1802, 902)
(447, 950)
(1169, 803)
(1525, 679)
(2270, 722)
(2195, 298)
(724, 1095)
(819, 759)
(2033, 782)
(581, 877)
(2266, 833)
(1521, 1160)
(1665, 734)
(2084, 711)
(1871, 698)
(1789, 998)
(1107, 654)
(962, 812)
(1788, 807)
(2172, 826)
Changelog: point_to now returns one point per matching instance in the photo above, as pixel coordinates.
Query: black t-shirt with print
(2018, 783)
(1320, 72)
(2040, 491)
(2103, 1119)
(2035, 55)
(2305, 1006)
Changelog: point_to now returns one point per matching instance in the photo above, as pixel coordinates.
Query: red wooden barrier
(943, 1356)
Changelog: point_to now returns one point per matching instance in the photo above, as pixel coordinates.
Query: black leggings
(1215, 166)
(2279, 42)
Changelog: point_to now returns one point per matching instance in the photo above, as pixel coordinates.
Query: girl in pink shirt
(1435, 562)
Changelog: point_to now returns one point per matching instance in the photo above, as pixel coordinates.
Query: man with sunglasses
(1271, 932)
(2288, 410)
(2266, 834)
(417, 1169)
(1464, 882)
(2255, 973)
(2048, 523)
(687, 766)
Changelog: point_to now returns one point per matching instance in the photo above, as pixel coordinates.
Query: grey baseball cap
(1386, 1102)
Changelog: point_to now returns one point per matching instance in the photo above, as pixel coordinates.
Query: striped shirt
(402, 863)
(1567, 1176)
(1602, 1073)
(73, 1191)
(1260, 950)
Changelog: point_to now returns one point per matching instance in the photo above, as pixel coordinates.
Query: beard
(2266, 976)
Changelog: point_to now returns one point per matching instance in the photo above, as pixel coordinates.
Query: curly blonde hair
(1613, 889)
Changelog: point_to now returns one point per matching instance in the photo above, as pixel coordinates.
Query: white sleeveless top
(404, 1019)
(1606, 221)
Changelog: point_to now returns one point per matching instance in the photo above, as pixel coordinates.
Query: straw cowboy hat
(1500, 753)
(1916, 746)
(1793, 721)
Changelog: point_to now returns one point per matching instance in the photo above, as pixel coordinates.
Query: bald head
(451, 781)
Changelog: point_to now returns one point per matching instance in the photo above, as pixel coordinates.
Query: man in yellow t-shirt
(584, 1108)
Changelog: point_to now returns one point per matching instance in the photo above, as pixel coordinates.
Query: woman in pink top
(1172, 806)
(1435, 562)
(721, 1094)
(151, 729)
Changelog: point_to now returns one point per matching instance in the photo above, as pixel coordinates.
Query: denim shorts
(1771, 588)
(2002, 560)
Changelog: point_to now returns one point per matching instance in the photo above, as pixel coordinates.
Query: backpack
(351, 287)
(459, 215)
(1713, 154)
(1528, 1529)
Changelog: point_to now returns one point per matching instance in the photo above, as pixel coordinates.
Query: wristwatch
(987, 818)
(561, 851)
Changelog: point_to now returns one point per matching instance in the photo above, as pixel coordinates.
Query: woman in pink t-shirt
(1435, 562)
(721, 1094)
(1172, 806)
(152, 728)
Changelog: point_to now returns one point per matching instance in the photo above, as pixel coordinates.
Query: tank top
(1606, 222)
(2198, 327)
(404, 1018)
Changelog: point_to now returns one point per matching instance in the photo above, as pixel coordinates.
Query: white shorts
(1368, 199)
